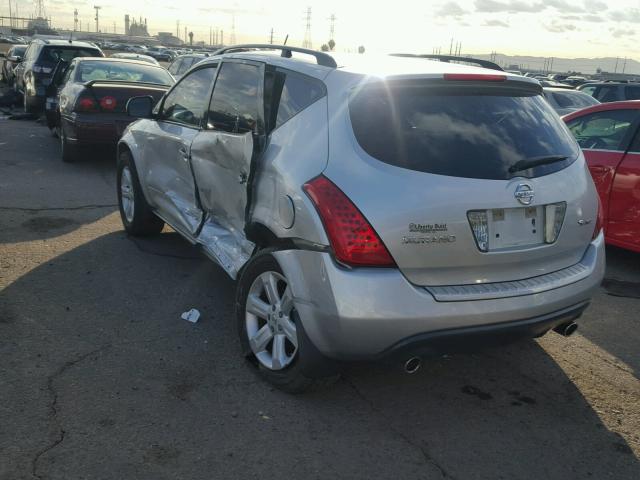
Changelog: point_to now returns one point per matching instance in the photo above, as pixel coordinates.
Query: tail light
(86, 104)
(108, 103)
(353, 239)
(599, 221)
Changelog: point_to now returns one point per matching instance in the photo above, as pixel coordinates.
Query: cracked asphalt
(101, 379)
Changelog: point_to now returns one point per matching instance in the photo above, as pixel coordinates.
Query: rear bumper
(365, 313)
(95, 128)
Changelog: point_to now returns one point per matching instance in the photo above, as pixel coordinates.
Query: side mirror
(140, 107)
(15, 58)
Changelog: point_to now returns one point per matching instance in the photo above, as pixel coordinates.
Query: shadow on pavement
(104, 376)
(620, 299)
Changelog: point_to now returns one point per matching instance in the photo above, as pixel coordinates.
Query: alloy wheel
(126, 194)
(269, 321)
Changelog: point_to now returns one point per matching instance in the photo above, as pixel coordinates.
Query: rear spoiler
(91, 83)
(452, 58)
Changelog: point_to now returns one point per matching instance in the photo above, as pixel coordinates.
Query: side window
(635, 144)
(186, 64)
(173, 68)
(235, 104)
(607, 93)
(603, 130)
(589, 90)
(187, 102)
(290, 93)
(632, 92)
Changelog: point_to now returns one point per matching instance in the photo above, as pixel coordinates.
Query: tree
(324, 47)
(361, 49)
(332, 44)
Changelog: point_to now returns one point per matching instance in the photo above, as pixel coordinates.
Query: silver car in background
(377, 208)
(565, 101)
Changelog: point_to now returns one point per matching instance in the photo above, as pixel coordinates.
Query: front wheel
(137, 217)
(270, 330)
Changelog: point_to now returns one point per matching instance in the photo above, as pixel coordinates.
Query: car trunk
(431, 173)
(112, 96)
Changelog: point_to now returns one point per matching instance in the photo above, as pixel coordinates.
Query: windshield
(473, 132)
(121, 71)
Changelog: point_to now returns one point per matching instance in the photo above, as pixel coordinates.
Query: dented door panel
(221, 164)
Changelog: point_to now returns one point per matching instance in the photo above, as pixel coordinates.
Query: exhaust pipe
(566, 329)
(412, 365)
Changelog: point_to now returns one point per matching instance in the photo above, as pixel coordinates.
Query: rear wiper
(534, 162)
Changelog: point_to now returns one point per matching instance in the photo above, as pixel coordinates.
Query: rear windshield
(121, 71)
(53, 54)
(573, 99)
(472, 132)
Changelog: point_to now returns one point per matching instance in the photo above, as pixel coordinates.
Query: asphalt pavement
(100, 378)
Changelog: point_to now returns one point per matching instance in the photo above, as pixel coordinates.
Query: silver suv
(380, 208)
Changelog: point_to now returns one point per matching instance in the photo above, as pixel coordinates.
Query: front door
(166, 158)
(223, 159)
(604, 137)
(624, 201)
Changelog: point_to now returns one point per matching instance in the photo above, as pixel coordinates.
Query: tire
(70, 153)
(27, 104)
(298, 366)
(137, 217)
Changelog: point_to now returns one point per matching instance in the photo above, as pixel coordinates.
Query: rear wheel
(137, 217)
(69, 152)
(270, 329)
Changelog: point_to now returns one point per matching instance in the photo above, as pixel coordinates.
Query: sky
(565, 28)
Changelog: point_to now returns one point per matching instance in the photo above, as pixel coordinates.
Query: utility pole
(624, 65)
(222, 38)
(332, 27)
(271, 37)
(185, 34)
(97, 8)
(232, 39)
(307, 33)
(178, 28)
(451, 46)
(75, 20)
(210, 35)
(615, 70)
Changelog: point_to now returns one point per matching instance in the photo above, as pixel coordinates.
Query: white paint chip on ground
(191, 316)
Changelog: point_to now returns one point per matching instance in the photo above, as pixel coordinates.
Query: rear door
(623, 227)
(224, 156)
(604, 137)
(166, 159)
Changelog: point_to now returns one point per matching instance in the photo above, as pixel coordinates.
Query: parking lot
(101, 378)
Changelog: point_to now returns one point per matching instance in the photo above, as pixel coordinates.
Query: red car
(609, 136)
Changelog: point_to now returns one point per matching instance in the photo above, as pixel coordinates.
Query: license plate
(515, 227)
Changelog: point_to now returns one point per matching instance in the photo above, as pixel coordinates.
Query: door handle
(599, 169)
(184, 153)
(242, 178)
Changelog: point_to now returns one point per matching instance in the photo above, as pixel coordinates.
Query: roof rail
(452, 58)
(322, 58)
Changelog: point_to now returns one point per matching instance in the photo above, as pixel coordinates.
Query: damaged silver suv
(384, 208)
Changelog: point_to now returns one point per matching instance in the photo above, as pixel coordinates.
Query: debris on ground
(191, 316)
